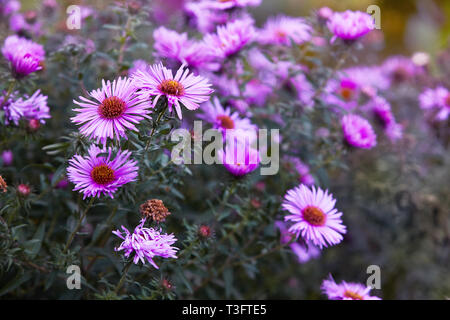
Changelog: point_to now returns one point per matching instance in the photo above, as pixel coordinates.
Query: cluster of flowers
(24, 57)
(226, 29)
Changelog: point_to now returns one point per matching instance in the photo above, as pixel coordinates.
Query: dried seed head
(155, 210)
(3, 184)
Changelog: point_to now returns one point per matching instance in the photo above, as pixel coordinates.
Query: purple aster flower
(224, 119)
(399, 69)
(437, 100)
(230, 38)
(26, 22)
(296, 166)
(343, 93)
(25, 56)
(358, 132)
(239, 157)
(169, 43)
(314, 216)
(304, 251)
(256, 92)
(382, 110)
(228, 4)
(205, 15)
(182, 89)
(137, 66)
(95, 175)
(32, 108)
(8, 7)
(7, 157)
(305, 90)
(112, 109)
(346, 290)
(367, 76)
(394, 131)
(281, 30)
(350, 25)
(146, 243)
(173, 45)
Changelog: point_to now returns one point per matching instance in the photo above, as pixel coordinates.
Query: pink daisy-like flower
(230, 38)
(182, 89)
(114, 108)
(205, 15)
(169, 43)
(303, 251)
(95, 175)
(146, 243)
(32, 108)
(343, 93)
(173, 45)
(350, 25)
(224, 119)
(314, 216)
(358, 132)
(25, 56)
(239, 157)
(281, 30)
(346, 290)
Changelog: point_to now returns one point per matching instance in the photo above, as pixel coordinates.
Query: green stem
(9, 92)
(72, 235)
(122, 279)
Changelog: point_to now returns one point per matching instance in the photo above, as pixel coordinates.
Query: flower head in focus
(358, 132)
(112, 109)
(314, 216)
(95, 175)
(146, 244)
(346, 290)
(182, 89)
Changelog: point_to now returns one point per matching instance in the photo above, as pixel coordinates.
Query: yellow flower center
(352, 295)
(171, 87)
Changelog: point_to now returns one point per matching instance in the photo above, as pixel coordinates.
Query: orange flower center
(102, 174)
(281, 34)
(314, 216)
(111, 108)
(226, 122)
(346, 93)
(352, 295)
(171, 87)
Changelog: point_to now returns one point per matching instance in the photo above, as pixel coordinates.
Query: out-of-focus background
(407, 25)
